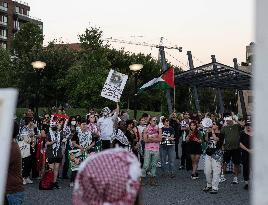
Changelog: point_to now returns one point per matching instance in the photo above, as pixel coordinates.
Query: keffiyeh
(109, 177)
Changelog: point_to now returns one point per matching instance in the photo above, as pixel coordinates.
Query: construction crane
(161, 56)
(114, 40)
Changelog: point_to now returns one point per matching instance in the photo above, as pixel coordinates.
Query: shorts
(54, 160)
(194, 148)
(234, 155)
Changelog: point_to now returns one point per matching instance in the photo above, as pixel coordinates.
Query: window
(3, 19)
(17, 9)
(5, 4)
(17, 24)
(22, 11)
(3, 32)
(27, 12)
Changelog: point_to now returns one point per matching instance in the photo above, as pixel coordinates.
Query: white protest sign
(8, 100)
(114, 86)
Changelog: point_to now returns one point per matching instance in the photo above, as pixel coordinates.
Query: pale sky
(205, 27)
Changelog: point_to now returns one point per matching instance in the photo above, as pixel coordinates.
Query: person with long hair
(55, 138)
(195, 148)
(214, 158)
(152, 139)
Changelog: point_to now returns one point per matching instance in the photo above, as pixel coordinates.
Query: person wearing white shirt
(106, 125)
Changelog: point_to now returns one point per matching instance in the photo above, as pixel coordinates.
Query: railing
(3, 8)
(3, 37)
(3, 23)
(27, 16)
(21, 2)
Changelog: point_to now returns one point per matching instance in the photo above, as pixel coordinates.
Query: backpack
(46, 182)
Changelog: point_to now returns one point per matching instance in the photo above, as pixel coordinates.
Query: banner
(114, 86)
(76, 157)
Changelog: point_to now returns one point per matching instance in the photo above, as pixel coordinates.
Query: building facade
(12, 15)
(247, 67)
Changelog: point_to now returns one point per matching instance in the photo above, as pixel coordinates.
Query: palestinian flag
(163, 82)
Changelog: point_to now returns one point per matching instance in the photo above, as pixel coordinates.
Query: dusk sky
(205, 27)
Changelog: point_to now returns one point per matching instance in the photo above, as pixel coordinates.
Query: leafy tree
(28, 42)
(86, 78)
(6, 69)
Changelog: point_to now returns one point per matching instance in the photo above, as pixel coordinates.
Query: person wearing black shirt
(245, 145)
(174, 123)
(131, 137)
(167, 148)
(213, 159)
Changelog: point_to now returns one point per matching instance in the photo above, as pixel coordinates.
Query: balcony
(3, 24)
(3, 37)
(26, 18)
(2, 8)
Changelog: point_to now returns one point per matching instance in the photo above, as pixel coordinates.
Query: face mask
(105, 114)
(73, 123)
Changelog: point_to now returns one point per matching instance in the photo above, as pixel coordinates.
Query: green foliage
(28, 41)
(6, 69)
(77, 77)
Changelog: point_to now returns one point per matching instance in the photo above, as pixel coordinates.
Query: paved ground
(181, 190)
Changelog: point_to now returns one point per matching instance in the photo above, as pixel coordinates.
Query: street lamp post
(38, 66)
(135, 68)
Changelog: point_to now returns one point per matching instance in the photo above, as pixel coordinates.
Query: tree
(28, 42)
(6, 69)
(86, 78)
(27, 47)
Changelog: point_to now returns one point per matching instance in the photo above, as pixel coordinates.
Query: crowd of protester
(68, 145)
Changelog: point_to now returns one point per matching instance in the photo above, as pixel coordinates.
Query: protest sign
(76, 157)
(114, 86)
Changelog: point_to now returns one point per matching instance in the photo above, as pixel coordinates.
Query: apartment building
(247, 67)
(12, 15)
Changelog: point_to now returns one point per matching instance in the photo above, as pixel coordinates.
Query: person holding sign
(106, 125)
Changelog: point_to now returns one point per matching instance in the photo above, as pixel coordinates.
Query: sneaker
(28, 181)
(158, 164)
(71, 184)
(235, 180)
(222, 179)
(24, 181)
(213, 191)
(56, 186)
(207, 189)
(194, 176)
